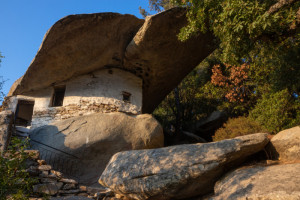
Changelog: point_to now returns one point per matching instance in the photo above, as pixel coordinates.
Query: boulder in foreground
(277, 182)
(82, 146)
(176, 172)
(286, 144)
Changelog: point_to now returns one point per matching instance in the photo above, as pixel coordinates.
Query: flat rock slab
(176, 172)
(277, 182)
(286, 144)
(82, 146)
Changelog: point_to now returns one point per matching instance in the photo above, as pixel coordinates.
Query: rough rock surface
(82, 146)
(81, 44)
(286, 144)
(156, 55)
(179, 171)
(277, 182)
(6, 120)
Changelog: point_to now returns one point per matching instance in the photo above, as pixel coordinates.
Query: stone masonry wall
(97, 92)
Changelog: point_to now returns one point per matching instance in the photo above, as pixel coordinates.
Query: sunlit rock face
(82, 146)
(82, 44)
(276, 182)
(177, 172)
(285, 145)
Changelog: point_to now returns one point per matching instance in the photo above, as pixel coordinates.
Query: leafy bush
(237, 127)
(277, 111)
(15, 182)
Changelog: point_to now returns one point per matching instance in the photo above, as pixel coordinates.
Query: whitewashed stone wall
(100, 91)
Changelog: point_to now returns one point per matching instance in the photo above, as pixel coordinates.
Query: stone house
(104, 90)
(105, 62)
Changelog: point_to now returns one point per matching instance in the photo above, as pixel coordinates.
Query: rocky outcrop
(176, 172)
(156, 55)
(82, 146)
(285, 145)
(6, 121)
(81, 44)
(277, 182)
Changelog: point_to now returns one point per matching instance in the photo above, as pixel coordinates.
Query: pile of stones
(52, 183)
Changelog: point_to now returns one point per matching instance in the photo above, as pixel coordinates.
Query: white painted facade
(100, 91)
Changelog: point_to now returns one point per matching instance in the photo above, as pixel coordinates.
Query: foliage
(157, 6)
(15, 182)
(277, 111)
(243, 26)
(258, 58)
(235, 127)
(195, 96)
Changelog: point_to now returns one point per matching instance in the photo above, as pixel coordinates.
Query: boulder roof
(80, 44)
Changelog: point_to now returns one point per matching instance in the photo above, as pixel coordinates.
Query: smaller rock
(82, 188)
(93, 190)
(69, 191)
(57, 173)
(65, 180)
(48, 180)
(69, 186)
(44, 167)
(285, 145)
(48, 188)
(44, 174)
(41, 162)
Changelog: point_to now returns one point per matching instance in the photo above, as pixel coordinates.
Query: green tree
(15, 182)
(157, 6)
(244, 27)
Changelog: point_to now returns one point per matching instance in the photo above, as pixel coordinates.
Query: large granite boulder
(277, 182)
(6, 121)
(286, 145)
(81, 44)
(82, 146)
(156, 54)
(78, 44)
(177, 172)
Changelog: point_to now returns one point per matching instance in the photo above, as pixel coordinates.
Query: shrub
(277, 111)
(15, 182)
(237, 127)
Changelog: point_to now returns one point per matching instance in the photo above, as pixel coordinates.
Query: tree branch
(281, 3)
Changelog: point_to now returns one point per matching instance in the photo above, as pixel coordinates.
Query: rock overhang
(80, 44)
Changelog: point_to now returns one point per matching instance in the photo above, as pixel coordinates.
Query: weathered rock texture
(286, 144)
(81, 44)
(6, 120)
(82, 146)
(156, 55)
(278, 182)
(179, 171)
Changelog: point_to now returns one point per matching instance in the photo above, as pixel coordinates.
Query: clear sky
(23, 24)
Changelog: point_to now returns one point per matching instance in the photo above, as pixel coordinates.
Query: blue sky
(24, 24)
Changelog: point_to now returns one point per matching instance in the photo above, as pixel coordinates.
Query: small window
(126, 96)
(58, 96)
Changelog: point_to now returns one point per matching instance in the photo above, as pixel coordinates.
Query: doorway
(24, 113)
